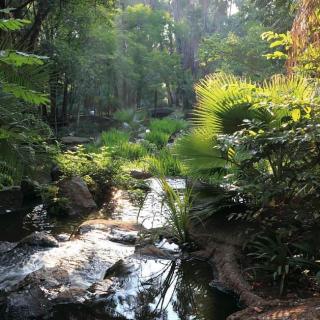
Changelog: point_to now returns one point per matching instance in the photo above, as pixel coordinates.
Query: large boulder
(75, 190)
(10, 199)
(161, 112)
(30, 189)
(41, 239)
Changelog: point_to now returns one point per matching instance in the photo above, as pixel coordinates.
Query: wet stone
(39, 238)
(6, 246)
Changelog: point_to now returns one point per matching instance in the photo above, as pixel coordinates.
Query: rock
(142, 136)
(41, 239)
(122, 236)
(27, 304)
(74, 140)
(29, 299)
(108, 225)
(75, 190)
(6, 246)
(154, 252)
(30, 189)
(102, 289)
(10, 199)
(117, 231)
(119, 269)
(161, 112)
(138, 174)
(63, 237)
(56, 173)
(126, 125)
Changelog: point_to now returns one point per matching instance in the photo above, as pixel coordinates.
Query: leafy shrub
(81, 163)
(281, 257)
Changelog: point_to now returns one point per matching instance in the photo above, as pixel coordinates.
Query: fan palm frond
(197, 150)
(224, 101)
(280, 89)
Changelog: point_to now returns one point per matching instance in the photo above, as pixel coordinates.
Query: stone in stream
(6, 246)
(39, 238)
(80, 200)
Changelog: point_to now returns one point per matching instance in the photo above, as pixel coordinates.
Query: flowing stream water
(97, 273)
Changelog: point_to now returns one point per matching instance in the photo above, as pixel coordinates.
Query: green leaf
(13, 24)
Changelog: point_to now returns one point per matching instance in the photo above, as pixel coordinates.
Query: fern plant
(23, 81)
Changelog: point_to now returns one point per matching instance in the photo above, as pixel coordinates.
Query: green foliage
(55, 205)
(169, 126)
(113, 138)
(198, 152)
(5, 180)
(118, 143)
(81, 163)
(239, 51)
(178, 210)
(281, 257)
(281, 40)
(124, 115)
(23, 79)
(11, 24)
(226, 105)
(129, 115)
(130, 151)
(159, 138)
(164, 163)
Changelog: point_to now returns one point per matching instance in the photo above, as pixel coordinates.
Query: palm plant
(178, 210)
(225, 103)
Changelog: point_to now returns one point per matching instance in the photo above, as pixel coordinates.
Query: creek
(90, 268)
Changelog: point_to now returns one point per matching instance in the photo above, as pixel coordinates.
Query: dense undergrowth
(262, 143)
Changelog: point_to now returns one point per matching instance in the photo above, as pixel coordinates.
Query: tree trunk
(65, 101)
(29, 40)
(139, 96)
(53, 101)
(155, 99)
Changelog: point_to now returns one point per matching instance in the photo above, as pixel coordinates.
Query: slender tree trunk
(169, 93)
(65, 101)
(139, 96)
(53, 102)
(155, 99)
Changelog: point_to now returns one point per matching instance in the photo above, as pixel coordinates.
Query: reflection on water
(18, 224)
(152, 213)
(159, 289)
(174, 290)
